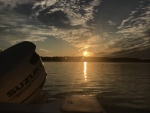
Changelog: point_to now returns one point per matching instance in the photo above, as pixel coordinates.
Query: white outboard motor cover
(22, 73)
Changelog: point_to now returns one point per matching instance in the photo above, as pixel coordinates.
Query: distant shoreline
(92, 59)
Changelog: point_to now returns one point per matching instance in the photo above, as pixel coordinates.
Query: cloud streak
(135, 29)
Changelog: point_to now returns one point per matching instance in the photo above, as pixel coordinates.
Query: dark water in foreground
(120, 87)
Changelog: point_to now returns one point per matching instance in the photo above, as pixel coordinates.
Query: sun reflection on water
(85, 70)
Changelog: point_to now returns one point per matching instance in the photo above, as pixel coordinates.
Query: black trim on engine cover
(34, 91)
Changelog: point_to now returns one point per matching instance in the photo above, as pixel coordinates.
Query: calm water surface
(120, 87)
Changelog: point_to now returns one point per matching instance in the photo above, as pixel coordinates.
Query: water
(120, 87)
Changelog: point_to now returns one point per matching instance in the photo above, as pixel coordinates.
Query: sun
(85, 53)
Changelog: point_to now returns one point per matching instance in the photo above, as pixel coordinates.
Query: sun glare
(85, 53)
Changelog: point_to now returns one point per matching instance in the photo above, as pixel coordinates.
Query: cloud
(45, 52)
(111, 23)
(147, 33)
(16, 27)
(58, 19)
(80, 38)
(76, 11)
(13, 40)
(135, 29)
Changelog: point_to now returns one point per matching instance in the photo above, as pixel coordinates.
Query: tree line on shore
(91, 59)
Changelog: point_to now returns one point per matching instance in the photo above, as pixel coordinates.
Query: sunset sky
(113, 28)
